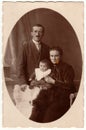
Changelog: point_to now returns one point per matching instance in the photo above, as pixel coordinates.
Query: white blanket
(23, 99)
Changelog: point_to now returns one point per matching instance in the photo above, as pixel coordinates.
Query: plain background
(81, 41)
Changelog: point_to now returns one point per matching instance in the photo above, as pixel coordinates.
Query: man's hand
(48, 79)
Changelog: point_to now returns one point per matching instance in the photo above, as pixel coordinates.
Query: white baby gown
(23, 99)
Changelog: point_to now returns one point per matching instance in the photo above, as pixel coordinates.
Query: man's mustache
(38, 36)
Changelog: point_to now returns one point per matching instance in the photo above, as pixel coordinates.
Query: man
(31, 53)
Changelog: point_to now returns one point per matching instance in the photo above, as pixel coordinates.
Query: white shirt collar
(35, 42)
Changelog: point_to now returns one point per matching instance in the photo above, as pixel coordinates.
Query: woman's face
(54, 56)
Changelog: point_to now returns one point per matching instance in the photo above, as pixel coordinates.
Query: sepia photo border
(75, 116)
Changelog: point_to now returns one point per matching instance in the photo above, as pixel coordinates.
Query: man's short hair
(57, 49)
(39, 25)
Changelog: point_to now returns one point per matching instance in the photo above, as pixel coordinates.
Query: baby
(45, 95)
(27, 97)
(37, 79)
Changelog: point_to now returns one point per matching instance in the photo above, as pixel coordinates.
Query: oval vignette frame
(58, 31)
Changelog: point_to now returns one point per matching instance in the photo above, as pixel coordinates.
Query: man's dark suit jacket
(28, 60)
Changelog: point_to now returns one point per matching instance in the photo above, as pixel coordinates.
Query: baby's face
(43, 66)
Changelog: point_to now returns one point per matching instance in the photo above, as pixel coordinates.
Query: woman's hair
(45, 61)
(57, 49)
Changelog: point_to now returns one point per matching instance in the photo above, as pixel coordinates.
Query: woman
(62, 80)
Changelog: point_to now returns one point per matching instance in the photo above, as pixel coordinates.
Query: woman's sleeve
(68, 77)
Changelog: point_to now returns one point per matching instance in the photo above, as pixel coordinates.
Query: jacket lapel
(34, 52)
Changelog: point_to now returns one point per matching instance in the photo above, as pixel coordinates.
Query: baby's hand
(43, 87)
(23, 87)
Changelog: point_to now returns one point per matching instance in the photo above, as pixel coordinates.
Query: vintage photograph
(42, 65)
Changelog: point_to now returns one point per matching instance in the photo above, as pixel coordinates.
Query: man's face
(54, 56)
(43, 67)
(37, 33)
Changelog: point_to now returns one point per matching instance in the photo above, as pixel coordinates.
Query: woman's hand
(48, 79)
